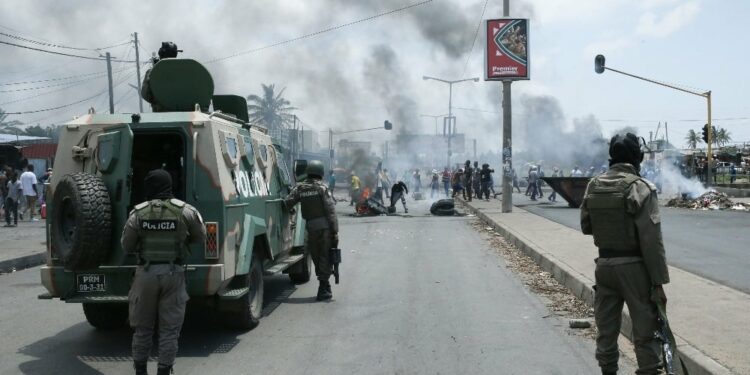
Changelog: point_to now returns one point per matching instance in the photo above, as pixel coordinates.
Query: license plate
(91, 283)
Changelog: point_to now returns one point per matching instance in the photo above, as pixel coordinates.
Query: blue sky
(339, 80)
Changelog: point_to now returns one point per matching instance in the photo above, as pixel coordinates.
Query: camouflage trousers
(319, 245)
(630, 284)
(157, 293)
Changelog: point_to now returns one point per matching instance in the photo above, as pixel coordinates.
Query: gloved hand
(658, 295)
(335, 241)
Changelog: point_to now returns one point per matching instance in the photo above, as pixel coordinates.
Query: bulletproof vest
(311, 198)
(613, 228)
(162, 231)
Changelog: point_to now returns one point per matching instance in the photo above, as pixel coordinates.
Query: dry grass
(560, 301)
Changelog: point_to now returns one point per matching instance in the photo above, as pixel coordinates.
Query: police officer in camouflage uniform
(621, 210)
(159, 231)
(319, 211)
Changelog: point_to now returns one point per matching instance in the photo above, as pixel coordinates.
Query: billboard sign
(506, 50)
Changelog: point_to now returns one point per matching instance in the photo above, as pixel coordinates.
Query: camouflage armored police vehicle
(230, 171)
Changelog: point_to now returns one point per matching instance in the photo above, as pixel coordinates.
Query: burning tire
(443, 207)
(81, 221)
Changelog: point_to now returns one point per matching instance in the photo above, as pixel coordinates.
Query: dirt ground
(557, 297)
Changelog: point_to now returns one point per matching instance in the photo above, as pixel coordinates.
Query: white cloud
(654, 26)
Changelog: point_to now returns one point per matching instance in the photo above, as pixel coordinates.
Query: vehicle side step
(96, 299)
(233, 293)
(283, 264)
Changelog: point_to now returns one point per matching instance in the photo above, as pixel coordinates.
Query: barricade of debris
(710, 200)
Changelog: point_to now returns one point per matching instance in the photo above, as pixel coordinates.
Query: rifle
(335, 258)
(668, 343)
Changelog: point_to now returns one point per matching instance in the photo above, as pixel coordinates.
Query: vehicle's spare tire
(81, 230)
(443, 207)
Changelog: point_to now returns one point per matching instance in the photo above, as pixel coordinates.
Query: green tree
(271, 110)
(693, 139)
(722, 137)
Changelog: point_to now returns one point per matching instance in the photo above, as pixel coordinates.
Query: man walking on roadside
(621, 210)
(11, 200)
(28, 183)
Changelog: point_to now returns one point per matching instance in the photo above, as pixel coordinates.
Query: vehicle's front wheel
(245, 312)
(106, 316)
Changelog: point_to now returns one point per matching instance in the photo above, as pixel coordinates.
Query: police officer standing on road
(621, 210)
(159, 231)
(318, 209)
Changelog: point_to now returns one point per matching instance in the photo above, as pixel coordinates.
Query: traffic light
(387, 125)
(705, 133)
(599, 64)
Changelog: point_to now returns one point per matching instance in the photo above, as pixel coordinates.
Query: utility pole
(111, 89)
(475, 149)
(666, 133)
(138, 72)
(330, 148)
(507, 137)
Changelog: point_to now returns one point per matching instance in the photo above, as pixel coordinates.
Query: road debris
(710, 200)
(579, 323)
(560, 301)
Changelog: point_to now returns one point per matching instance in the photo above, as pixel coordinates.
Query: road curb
(24, 262)
(696, 362)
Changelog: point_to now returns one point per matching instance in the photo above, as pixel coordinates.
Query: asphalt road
(419, 295)
(712, 244)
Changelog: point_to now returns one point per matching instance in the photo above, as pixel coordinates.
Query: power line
(70, 85)
(476, 32)
(66, 105)
(58, 45)
(316, 33)
(53, 85)
(57, 79)
(62, 53)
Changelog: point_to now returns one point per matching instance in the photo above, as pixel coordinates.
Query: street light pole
(600, 67)
(435, 117)
(451, 121)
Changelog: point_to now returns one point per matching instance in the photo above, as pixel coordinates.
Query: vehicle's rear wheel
(300, 272)
(245, 312)
(81, 221)
(106, 316)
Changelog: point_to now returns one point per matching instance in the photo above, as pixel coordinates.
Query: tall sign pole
(506, 60)
(138, 72)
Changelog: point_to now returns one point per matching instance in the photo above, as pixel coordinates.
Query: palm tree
(722, 137)
(692, 139)
(271, 110)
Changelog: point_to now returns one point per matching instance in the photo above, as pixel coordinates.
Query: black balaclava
(625, 149)
(158, 185)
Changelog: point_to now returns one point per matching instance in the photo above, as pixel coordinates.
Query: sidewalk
(23, 246)
(709, 320)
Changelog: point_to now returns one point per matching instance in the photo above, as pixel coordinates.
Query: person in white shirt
(28, 185)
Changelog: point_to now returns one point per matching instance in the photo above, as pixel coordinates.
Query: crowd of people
(21, 194)
(470, 181)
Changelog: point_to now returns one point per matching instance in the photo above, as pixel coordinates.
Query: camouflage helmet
(315, 168)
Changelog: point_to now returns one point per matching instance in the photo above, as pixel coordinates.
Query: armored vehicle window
(232, 147)
(248, 147)
(263, 152)
(152, 150)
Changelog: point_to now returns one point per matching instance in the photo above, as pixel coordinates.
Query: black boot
(609, 372)
(140, 367)
(164, 369)
(324, 291)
